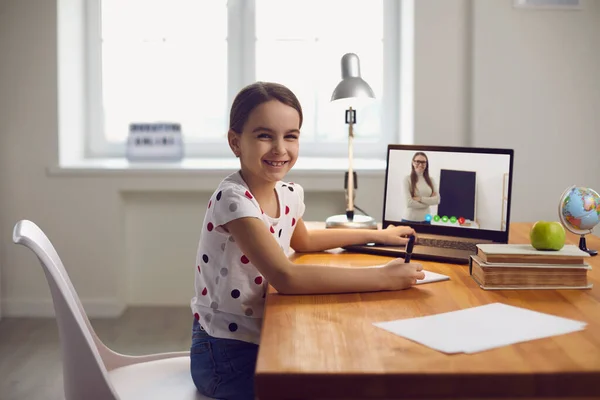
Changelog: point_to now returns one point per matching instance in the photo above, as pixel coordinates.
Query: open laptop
(469, 203)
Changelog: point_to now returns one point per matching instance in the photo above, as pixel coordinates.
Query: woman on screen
(420, 190)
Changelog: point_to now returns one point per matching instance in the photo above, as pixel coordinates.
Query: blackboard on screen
(457, 194)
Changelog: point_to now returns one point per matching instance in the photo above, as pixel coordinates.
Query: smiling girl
(252, 219)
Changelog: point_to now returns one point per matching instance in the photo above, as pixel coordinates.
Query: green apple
(547, 235)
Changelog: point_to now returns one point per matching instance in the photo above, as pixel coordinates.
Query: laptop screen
(454, 191)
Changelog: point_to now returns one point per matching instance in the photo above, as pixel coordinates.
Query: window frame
(241, 51)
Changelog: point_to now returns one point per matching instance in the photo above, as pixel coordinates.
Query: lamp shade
(352, 85)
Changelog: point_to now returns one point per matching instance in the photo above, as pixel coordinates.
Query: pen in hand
(409, 248)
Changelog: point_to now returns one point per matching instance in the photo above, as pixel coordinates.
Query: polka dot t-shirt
(230, 291)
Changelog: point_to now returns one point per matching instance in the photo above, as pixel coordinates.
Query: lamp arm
(350, 190)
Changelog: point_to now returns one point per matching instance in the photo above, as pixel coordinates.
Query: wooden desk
(325, 346)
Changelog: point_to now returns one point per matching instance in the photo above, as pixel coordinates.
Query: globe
(579, 212)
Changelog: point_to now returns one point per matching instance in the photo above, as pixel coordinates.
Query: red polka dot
(258, 280)
(204, 291)
(272, 230)
(293, 221)
(209, 203)
(287, 210)
(197, 316)
(261, 210)
(245, 260)
(198, 268)
(291, 183)
(210, 226)
(248, 195)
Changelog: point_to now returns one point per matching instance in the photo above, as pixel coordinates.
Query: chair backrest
(84, 373)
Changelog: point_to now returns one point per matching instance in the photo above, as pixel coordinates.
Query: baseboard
(94, 308)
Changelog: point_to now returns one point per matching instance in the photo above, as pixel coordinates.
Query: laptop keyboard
(447, 244)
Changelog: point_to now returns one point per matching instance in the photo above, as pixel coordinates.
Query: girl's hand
(402, 275)
(417, 198)
(394, 235)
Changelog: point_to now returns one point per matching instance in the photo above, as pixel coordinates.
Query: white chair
(90, 369)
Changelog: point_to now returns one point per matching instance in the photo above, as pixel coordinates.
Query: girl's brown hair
(413, 174)
(254, 95)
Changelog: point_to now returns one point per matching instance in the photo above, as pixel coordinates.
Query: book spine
(527, 259)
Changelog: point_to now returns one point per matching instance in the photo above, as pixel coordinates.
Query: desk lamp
(352, 87)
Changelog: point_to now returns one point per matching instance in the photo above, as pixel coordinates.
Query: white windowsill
(120, 166)
(318, 174)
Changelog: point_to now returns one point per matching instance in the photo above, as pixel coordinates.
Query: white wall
(485, 74)
(536, 88)
(442, 71)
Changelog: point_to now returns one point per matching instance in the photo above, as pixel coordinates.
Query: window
(185, 60)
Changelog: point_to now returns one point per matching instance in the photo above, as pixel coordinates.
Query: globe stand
(583, 246)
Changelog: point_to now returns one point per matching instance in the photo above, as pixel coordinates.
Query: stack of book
(520, 266)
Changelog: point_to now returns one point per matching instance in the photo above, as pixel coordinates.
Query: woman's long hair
(414, 177)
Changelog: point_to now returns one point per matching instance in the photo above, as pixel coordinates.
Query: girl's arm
(261, 248)
(306, 241)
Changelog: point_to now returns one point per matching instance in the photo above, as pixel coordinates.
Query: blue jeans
(222, 368)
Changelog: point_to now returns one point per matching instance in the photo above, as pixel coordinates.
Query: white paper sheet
(432, 277)
(481, 328)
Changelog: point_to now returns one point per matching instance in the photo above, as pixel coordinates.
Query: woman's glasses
(419, 162)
